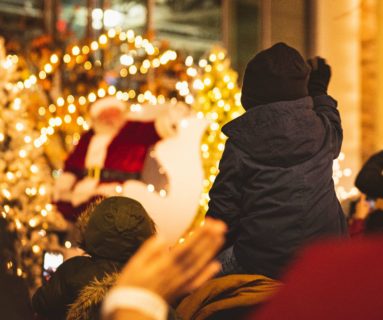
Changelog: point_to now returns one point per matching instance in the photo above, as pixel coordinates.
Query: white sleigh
(180, 158)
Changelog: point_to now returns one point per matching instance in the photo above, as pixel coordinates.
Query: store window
(21, 20)
(125, 15)
(72, 19)
(244, 31)
(191, 25)
(104, 15)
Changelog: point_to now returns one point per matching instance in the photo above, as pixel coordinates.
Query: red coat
(126, 153)
(336, 280)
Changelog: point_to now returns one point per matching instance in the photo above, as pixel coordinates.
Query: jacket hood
(283, 133)
(115, 228)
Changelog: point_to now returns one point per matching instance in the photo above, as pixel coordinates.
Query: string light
(79, 54)
(54, 58)
(67, 58)
(101, 92)
(338, 174)
(76, 50)
(36, 249)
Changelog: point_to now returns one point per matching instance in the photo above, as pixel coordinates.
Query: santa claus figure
(111, 153)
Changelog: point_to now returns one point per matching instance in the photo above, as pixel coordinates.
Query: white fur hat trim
(105, 103)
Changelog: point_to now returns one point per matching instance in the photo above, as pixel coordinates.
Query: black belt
(106, 175)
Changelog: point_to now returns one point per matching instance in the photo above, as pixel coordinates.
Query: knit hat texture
(116, 228)
(275, 74)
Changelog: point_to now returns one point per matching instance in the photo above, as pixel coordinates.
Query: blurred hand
(185, 267)
(362, 208)
(319, 76)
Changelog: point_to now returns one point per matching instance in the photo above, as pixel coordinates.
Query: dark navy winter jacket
(275, 189)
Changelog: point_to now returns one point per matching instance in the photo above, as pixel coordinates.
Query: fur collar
(90, 297)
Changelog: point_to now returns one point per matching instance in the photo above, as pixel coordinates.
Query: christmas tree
(216, 96)
(25, 177)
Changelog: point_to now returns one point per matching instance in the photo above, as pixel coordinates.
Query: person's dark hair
(370, 178)
(374, 222)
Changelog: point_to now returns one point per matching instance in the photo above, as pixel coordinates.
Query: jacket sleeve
(53, 298)
(326, 108)
(225, 194)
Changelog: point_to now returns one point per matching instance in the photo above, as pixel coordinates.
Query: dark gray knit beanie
(275, 74)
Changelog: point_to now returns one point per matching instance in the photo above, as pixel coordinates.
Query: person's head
(369, 179)
(275, 74)
(114, 228)
(374, 222)
(107, 114)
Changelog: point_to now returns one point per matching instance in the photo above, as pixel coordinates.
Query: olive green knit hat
(115, 228)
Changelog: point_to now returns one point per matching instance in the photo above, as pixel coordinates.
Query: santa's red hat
(106, 103)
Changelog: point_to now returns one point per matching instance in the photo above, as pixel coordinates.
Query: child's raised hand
(319, 76)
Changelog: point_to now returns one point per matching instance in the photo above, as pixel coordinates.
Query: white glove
(63, 185)
(109, 189)
(84, 190)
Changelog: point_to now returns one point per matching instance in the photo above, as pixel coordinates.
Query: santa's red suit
(104, 159)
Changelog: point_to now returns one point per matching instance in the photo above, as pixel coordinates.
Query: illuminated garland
(139, 56)
(68, 110)
(128, 41)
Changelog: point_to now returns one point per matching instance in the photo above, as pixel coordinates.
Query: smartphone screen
(51, 262)
(371, 202)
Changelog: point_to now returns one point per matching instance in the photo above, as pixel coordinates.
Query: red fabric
(356, 228)
(126, 152)
(76, 158)
(332, 281)
(70, 212)
(128, 149)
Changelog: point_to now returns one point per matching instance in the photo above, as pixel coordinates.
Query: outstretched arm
(326, 109)
(324, 105)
